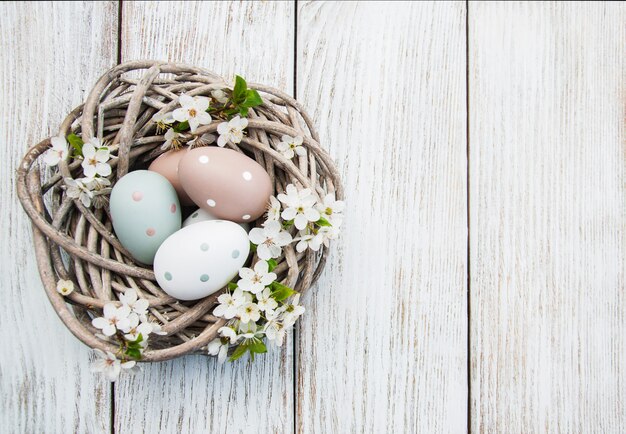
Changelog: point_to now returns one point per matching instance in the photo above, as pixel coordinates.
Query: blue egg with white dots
(201, 258)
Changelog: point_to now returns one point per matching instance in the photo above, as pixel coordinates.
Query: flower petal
(180, 114)
(261, 267)
(263, 252)
(289, 213)
(312, 214)
(300, 221)
(185, 100)
(257, 236)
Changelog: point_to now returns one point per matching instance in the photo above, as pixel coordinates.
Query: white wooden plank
(52, 54)
(382, 347)
(548, 219)
(195, 394)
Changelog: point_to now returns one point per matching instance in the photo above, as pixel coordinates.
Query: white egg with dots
(202, 215)
(201, 259)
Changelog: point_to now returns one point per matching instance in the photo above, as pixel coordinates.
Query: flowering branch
(258, 306)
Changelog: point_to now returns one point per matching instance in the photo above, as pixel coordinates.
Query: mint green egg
(145, 211)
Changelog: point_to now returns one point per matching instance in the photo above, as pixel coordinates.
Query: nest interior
(77, 243)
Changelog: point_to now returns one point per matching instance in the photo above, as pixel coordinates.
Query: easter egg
(200, 259)
(166, 164)
(201, 215)
(228, 184)
(145, 211)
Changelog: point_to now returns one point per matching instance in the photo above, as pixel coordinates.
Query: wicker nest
(77, 243)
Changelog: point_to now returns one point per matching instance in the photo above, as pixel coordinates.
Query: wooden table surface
(479, 283)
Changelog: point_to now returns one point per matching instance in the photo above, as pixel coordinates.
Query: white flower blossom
(79, 189)
(255, 281)
(249, 312)
(269, 240)
(155, 329)
(136, 328)
(136, 304)
(252, 333)
(58, 151)
(292, 311)
(274, 328)
(218, 348)
(109, 365)
(95, 185)
(193, 110)
(310, 241)
(95, 159)
(229, 304)
(300, 206)
(172, 140)
(220, 96)
(265, 301)
(228, 332)
(114, 319)
(203, 140)
(289, 146)
(328, 233)
(273, 209)
(65, 287)
(163, 120)
(331, 209)
(231, 131)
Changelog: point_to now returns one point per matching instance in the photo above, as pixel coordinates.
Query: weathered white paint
(51, 54)
(548, 217)
(382, 346)
(196, 394)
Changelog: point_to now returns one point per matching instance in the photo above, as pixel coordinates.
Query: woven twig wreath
(74, 242)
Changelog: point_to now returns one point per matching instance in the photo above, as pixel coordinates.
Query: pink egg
(228, 184)
(167, 165)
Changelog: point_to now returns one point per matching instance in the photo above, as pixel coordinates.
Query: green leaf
(181, 127)
(239, 91)
(243, 111)
(76, 143)
(253, 98)
(323, 222)
(258, 347)
(230, 112)
(281, 292)
(252, 247)
(271, 264)
(287, 224)
(232, 286)
(133, 353)
(239, 351)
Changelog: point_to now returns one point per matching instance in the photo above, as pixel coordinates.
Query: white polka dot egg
(201, 259)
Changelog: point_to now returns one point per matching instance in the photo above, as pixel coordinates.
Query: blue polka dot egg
(145, 211)
(201, 259)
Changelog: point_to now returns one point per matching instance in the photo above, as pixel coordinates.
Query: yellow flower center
(193, 112)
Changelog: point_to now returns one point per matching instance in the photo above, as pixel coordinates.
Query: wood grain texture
(196, 394)
(548, 312)
(382, 347)
(52, 53)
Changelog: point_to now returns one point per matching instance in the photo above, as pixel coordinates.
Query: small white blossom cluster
(194, 110)
(317, 222)
(291, 146)
(257, 307)
(128, 324)
(95, 167)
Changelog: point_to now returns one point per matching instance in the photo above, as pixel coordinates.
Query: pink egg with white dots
(228, 184)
